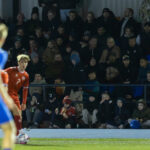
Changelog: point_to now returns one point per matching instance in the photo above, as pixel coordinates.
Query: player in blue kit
(6, 103)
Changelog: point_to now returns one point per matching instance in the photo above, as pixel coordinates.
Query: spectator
(34, 22)
(143, 69)
(90, 110)
(106, 112)
(34, 111)
(35, 66)
(47, 5)
(75, 72)
(128, 20)
(74, 24)
(50, 107)
(121, 114)
(68, 113)
(143, 39)
(38, 79)
(112, 48)
(90, 23)
(92, 80)
(65, 7)
(142, 114)
(54, 69)
(91, 51)
(127, 71)
(108, 20)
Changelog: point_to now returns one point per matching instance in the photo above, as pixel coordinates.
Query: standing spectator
(128, 20)
(90, 23)
(74, 24)
(65, 7)
(48, 5)
(143, 39)
(34, 22)
(52, 23)
(109, 21)
(90, 110)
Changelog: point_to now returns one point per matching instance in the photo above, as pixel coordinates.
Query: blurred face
(92, 62)
(140, 106)
(92, 76)
(93, 42)
(68, 49)
(38, 77)
(90, 17)
(148, 77)
(106, 14)
(34, 16)
(23, 63)
(132, 42)
(59, 41)
(128, 32)
(126, 12)
(147, 29)
(32, 44)
(20, 17)
(58, 58)
(50, 44)
(143, 62)
(91, 98)
(18, 44)
(38, 32)
(101, 30)
(110, 42)
(126, 62)
(119, 103)
(60, 30)
(50, 15)
(20, 32)
(105, 96)
(35, 59)
(86, 38)
(72, 16)
(34, 99)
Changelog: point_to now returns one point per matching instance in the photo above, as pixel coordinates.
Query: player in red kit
(18, 78)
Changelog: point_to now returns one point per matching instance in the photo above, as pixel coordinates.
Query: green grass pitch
(85, 144)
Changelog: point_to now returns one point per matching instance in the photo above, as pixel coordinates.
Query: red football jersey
(17, 80)
(4, 77)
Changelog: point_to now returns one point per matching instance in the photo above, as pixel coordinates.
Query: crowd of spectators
(92, 51)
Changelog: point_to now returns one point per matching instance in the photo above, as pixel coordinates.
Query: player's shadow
(51, 145)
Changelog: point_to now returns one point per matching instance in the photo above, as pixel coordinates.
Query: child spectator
(68, 113)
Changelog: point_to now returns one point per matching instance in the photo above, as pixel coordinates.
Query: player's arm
(25, 93)
(7, 99)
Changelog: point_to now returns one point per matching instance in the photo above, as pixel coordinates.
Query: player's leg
(7, 125)
(17, 116)
(9, 135)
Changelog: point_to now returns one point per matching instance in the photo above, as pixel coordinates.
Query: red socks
(18, 122)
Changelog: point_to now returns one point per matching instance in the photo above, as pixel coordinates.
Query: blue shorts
(5, 115)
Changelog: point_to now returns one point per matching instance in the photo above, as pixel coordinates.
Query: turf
(86, 144)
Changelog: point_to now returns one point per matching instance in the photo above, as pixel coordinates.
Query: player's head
(3, 33)
(23, 60)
